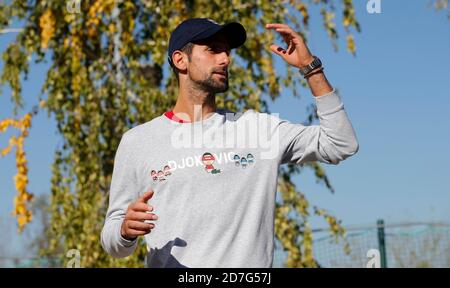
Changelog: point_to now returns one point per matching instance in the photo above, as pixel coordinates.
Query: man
(224, 219)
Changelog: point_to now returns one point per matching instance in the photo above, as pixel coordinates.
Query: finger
(291, 38)
(285, 30)
(140, 226)
(277, 50)
(287, 34)
(141, 207)
(276, 25)
(146, 196)
(141, 216)
(132, 233)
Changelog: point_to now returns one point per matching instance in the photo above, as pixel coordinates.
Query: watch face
(316, 63)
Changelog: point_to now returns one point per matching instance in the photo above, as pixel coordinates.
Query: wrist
(311, 66)
(314, 72)
(307, 60)
(124, 235)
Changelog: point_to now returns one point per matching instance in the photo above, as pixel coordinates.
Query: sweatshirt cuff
(329, 103)
(125, 242)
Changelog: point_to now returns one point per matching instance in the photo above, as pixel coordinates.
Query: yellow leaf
(351, 44)
(47, 24)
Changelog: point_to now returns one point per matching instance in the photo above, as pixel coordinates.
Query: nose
(224, 58)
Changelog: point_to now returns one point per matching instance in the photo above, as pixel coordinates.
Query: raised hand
(297, 53)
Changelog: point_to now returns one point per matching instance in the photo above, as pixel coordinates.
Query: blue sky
(400, 110)
(396, 92)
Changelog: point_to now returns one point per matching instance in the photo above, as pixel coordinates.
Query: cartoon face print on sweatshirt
(244, 161)
(167, 170)
(154, 175)
(208, 160)
(161, 175)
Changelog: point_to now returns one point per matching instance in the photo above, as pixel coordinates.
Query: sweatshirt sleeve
(123, 191)
(332, 141)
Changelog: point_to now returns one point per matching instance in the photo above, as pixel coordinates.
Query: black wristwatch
(316, 63)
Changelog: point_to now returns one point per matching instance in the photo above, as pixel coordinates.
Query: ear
(179, 59)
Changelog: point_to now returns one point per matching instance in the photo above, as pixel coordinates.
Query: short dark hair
(186, 49)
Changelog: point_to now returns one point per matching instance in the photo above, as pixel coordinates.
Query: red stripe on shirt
(171, 116)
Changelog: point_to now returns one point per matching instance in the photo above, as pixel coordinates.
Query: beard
(212, 85)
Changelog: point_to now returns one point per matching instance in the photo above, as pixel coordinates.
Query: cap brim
(235, 33)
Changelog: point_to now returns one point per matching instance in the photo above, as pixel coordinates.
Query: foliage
(23, 197)
(108, 73)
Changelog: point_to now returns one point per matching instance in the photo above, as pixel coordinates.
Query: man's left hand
(297, 53)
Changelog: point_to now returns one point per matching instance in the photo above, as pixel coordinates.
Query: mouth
(224, 74)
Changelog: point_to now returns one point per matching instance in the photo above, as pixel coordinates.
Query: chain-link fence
(386, 245)
(381, 245)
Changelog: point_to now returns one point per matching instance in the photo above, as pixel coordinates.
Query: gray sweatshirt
(215, 182)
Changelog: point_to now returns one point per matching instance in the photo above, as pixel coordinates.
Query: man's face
(208, 66)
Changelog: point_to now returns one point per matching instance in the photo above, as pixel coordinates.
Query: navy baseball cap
(196, 29)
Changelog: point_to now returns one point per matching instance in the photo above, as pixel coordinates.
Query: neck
(194, 104)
